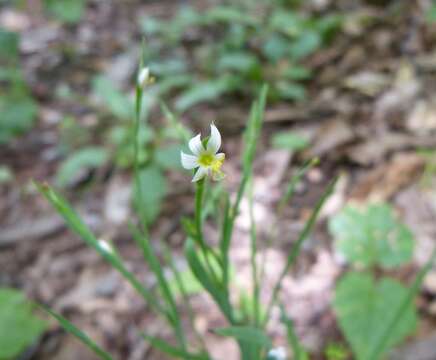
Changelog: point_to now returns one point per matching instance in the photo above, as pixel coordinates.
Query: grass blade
(80, 335)
(246, 334)
(150, 257)
(297, 247)
(206, 281)
(76, 224)
(251, 137)
(291, 335)
(173, 351)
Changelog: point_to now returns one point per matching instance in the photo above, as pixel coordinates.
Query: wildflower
(144, 77)
(205, 158)
(278, 353)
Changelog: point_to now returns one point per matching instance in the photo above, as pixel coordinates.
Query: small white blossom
(278, 353)
(144, 77)
(207, 160)
(105, 246)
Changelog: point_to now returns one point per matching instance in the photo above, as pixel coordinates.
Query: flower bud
(144, 77)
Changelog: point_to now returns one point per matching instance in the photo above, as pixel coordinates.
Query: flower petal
(195, 145)
(200, 174)
(220, 156)
(214, 142)
(188, 161)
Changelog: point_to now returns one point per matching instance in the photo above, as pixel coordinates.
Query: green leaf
(80, 335)
(290, 90)
(86, 158)
(189, 281)
(8, 45)
(296, 73)
(154, 188)
(431, 15)
(19, 328)
(69, 11)
(18, 112)
(113, 99)
(173, 351)
(204, 91)
(242, 62)
(289, 141)
(308, 43)
(198, 268)
(276, 47)
(247, 334)
(372, 237)
(364, 309)
(229, 14)
(108, 253)
(143, 241)
(168, 157)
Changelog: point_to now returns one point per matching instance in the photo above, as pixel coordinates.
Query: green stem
(253, 248)
(199, 228)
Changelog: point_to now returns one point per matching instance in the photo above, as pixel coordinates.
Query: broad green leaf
(290, 141)
(168, 157)
(69, 11)
(113, 99)
(19, 328)
(170, 67)
(290, 90)
(431, 15)
(86, 158)
(152, 191)
(305, 45)
(372, 237)
(8, 46)
(229, 14)
(80, 335)
(296, 73)
(204, 91)
(276, 47)
(243, 62)
(18, 112)
(364, 308)
(287, 22)
(247, 334)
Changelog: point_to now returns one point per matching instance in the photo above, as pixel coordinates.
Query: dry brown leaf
(386, 180)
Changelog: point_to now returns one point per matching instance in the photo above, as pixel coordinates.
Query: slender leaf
(80, 335)
(150, 257)
(76, 224)
(173, 351)
(248, 334)
(297, 247)
(204, 277)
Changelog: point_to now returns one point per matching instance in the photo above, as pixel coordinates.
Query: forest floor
(370, 116)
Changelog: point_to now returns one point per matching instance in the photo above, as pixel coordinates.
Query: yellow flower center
(206, 159)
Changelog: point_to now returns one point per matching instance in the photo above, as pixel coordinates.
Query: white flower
(207, 160)
(144, 77)
(278, 353)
